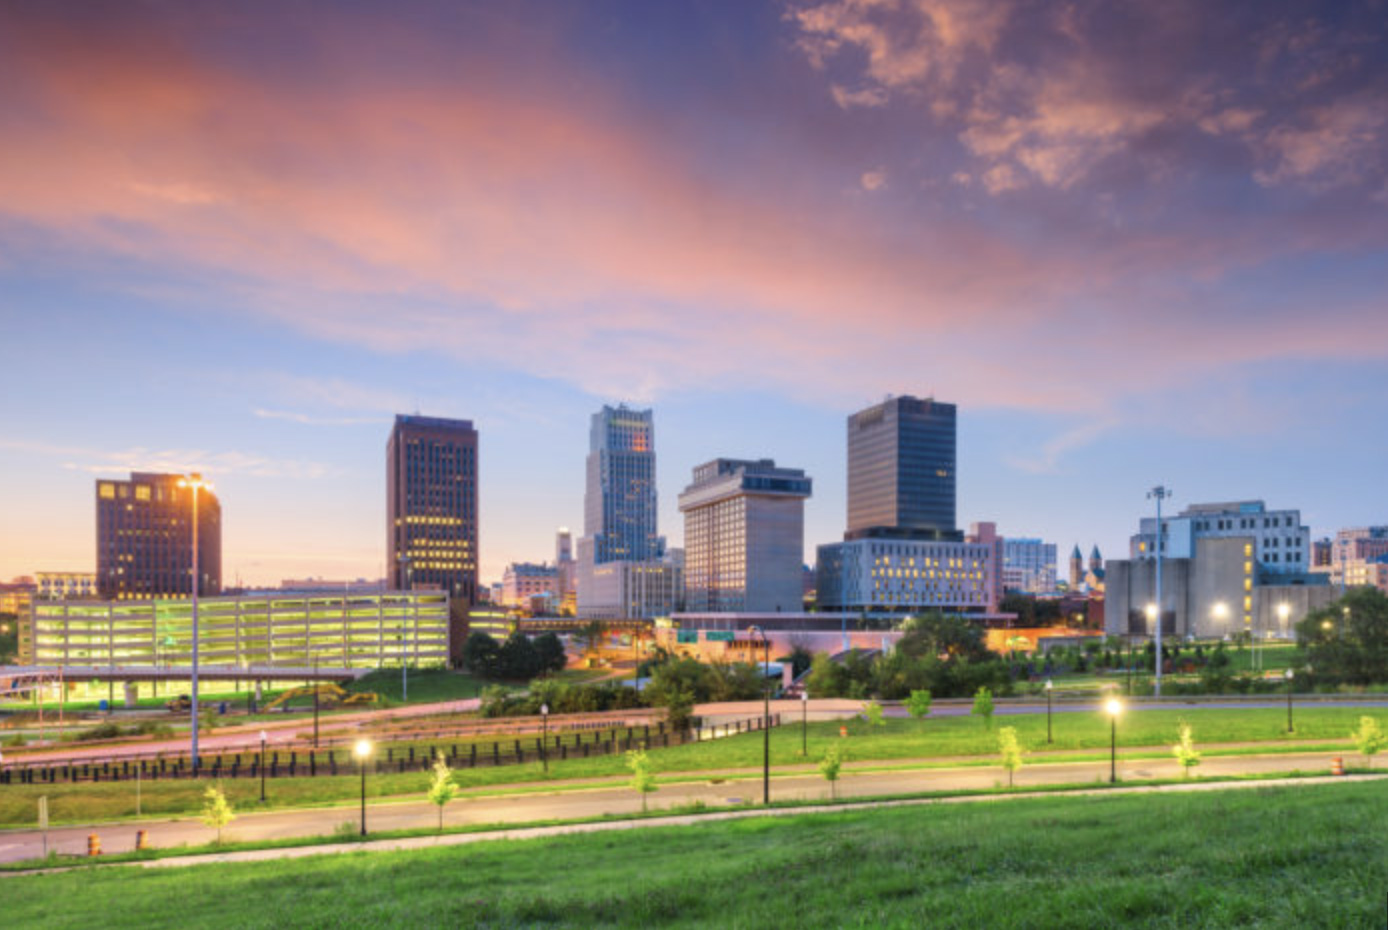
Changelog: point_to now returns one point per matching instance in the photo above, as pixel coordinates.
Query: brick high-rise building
(144, 538)
(431, 505)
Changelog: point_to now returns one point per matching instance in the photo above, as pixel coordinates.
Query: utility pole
(1159, 493)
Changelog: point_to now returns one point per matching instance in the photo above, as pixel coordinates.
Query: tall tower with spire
(1096, 560)
(1076, 568)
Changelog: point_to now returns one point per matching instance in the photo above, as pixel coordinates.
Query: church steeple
(1076, 568)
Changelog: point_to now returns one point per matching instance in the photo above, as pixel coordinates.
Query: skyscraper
(901, 471)
(622, 570)
(431, 494)
(144, 538)
(619, 505)
(744, 537)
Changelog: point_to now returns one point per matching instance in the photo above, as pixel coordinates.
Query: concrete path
(614, 797)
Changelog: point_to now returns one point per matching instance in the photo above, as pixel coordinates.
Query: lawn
(898, 739)
(1275, 857)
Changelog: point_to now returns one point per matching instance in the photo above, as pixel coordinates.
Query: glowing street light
(1048, 710)
(544, 739)
(1289, 675)
(195, 482)
(362, 750)
(1283, 611)
(1114, 707)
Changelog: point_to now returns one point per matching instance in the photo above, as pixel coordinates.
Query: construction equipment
(180, 705)
(329, 694)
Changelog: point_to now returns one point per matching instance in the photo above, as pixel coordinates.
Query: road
(616, 797)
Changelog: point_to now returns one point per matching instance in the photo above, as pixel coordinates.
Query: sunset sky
(1136, 243)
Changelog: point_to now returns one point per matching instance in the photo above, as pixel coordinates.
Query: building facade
(431, 506)
(901, 470)
(905, 575)
(744, 537)
(622, 569)
(1028, 565)
(348, 631)
(144, 538)
(1280, 542)
(567, 572)
(62, 586)
(522, 582)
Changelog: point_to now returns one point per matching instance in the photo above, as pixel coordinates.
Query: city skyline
(239, 241)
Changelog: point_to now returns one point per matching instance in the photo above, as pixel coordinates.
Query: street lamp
(195, 482)
(1283, 611)
(1048, 710)
(362, 750)
(1114, 708)
(544, 740)
(404, 671)
(766, 717)
(805, 721)
(1289, 675)
(1159, 493)
(262, 766)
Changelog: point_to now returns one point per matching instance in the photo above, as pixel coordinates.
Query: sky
(1135, 243)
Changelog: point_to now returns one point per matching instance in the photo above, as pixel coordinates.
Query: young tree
(1185, 751)
(642, 779)
(480, 654)
(1010, 751)
(829, 767)
(550, 652)
(442, 788)
(918, 704)
(1370, 738)
(872, 713)
(983, 706)
(216, 810)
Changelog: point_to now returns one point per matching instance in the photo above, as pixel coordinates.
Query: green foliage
(1369, 738)
(983, 706)
(1031, 610)
(549, 651)
(719, 681)
(940, 634)
(442, 788)
(216, 810)
(942, 655)
(517, 659)
(1184, 750)
(829, 767)
(1010, 751)
(481, 654)
(800, 659)
(642, 779)
(872, 713)
(918, 704)
(1347, 641)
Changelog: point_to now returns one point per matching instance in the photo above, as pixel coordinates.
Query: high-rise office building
(622, 570)
(619, 503)
(744, 537)
(567, 570)
(1028, 565)
(431, 493)
(901, 471)
(144, 538)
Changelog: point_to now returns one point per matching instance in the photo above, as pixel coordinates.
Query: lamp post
(544, 739)
(805, 721)
(1154, 618)
(1048, 710)
(404, 670)
(1159, 493)
(766, 717)
(315, 702)
(195, 482)
(362, 750)
(262, 766)
(1289, 675)
(1114, 708)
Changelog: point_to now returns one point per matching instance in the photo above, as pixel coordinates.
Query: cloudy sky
(1135, 242)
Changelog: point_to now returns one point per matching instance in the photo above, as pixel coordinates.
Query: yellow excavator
(328, 694)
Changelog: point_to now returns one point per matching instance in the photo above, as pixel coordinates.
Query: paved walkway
(614, 797)
(458, 839)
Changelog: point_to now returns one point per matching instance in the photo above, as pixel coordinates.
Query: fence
(311, 763)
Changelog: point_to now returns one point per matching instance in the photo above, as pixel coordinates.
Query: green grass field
(1275, 857)
(939, 738)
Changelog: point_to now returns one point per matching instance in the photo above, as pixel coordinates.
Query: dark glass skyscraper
(901, 468)
(431, 520)
(619, 506)
(144, 538)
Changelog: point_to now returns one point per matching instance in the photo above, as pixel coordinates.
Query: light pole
(195, 482)
(404, 670)
(1289, 675)
(805, 721)
(1159, 493)
(1154, 617)
(766, 717)
(1048, 710)
(1114, 708)
(544, 739)
(362, 750)
(262, 766)
(315, 701)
